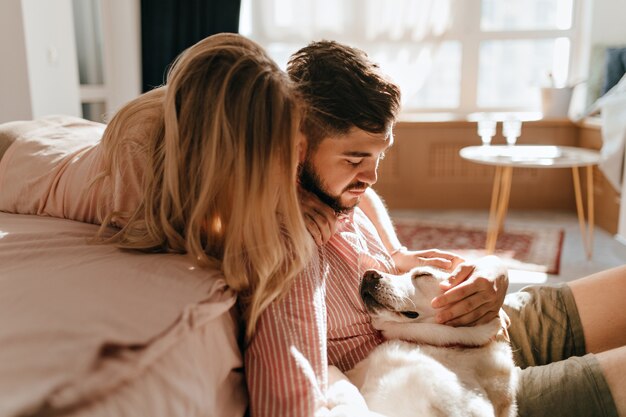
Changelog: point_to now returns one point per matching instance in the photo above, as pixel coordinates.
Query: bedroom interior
(87, 58)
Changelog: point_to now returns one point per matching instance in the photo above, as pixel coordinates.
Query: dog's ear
(422, 272)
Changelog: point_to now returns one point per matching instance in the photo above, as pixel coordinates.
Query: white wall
(42, 78)
(15, 100)
(607, 22)
(122, 51)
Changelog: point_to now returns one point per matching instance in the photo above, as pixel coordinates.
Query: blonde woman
(204, 165)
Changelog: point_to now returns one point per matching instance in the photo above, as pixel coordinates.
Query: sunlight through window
(459, 56)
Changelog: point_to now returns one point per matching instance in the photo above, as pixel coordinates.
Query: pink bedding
(90, 330)
(49, 167)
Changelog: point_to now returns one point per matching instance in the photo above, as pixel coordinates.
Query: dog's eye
(410, 314)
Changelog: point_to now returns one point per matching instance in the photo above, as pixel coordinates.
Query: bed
(90, 330)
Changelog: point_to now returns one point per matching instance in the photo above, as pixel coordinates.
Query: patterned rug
(525, 249)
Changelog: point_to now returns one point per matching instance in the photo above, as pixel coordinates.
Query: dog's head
(400, 306)
(402, 298)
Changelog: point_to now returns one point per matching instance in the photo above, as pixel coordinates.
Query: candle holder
(486, 130)
(511, 129)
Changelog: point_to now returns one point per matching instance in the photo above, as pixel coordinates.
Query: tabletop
(531, 156)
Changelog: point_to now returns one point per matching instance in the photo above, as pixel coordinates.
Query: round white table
(505, 158)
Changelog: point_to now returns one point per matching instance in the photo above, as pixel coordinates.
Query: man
(322, 320)
(355, 106)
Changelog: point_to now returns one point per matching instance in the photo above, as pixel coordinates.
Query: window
(459, 56)
(88, 30)
(107, 48)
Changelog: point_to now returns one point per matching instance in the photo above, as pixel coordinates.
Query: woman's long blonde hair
(220, 152)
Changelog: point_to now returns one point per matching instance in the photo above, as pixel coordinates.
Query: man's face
(342, 167)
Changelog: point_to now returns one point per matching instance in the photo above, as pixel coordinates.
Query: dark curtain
(168, 27)
(614, 68)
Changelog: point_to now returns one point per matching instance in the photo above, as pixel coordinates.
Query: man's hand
(406, 259)
(320, 219)
(473, 294)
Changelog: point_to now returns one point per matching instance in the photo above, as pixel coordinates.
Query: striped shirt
(320, 321)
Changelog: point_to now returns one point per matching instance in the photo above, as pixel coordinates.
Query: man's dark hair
(342, 89)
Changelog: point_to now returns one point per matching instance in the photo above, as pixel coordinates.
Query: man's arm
(321, 222)
(285, 361)
(374, 208)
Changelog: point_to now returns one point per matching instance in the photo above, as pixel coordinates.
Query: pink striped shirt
(320, 321)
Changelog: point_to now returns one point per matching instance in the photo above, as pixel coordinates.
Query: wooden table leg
(493, 207)
(590, 211)
(504, 205)
(502, 189)
(580, 210)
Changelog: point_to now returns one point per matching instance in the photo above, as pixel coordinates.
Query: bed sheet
(87, 329)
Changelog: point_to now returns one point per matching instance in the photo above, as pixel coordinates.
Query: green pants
(556, 377)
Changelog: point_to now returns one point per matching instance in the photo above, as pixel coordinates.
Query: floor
(607, 252)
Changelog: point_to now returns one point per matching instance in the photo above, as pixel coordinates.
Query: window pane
(511, 71)
(404, 19)
(94, 111)
(420, 43)
(526, 14)
(88, 33)
(429, 74)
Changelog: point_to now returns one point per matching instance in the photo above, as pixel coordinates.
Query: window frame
(466, 31)
(121, 57)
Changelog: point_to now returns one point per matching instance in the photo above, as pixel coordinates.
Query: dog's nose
(369, 282)
(369, 288)
(372, 275)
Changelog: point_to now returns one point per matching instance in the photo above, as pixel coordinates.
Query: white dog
(425, 369)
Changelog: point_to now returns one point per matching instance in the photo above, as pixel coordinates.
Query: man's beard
(310, 181)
